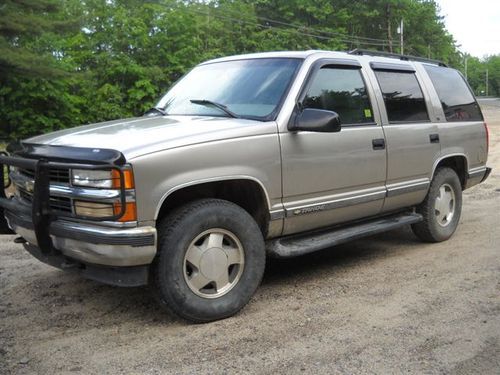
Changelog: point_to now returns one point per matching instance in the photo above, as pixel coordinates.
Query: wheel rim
(213, 263)
(444, 207)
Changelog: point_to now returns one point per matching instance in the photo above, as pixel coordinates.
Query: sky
(474, 24)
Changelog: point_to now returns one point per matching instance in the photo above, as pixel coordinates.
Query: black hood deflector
(67, 154)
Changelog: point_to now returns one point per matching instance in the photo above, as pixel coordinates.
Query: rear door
(334, 177)
(411, 133)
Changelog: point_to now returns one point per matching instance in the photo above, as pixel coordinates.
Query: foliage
(68, 62)
(26, 27)
(483, 75)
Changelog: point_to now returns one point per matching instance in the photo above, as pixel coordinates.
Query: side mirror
(316, 120)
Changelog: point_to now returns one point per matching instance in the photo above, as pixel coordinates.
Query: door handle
(434, 138)
(378, 144)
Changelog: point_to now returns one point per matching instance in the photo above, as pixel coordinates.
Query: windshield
(251, 89)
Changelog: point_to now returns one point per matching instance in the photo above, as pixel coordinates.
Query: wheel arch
(245, 191)
(458, 162)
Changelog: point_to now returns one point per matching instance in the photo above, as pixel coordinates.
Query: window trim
(359, 124)
(391, 67)
(333, 63)
(424, 97)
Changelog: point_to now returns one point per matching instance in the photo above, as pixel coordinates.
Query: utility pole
(402, 39)
(465, 67)
(486, 81)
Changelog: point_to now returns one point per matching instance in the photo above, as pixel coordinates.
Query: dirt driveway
(387, 304)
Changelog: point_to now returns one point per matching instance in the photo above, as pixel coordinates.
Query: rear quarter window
(455, 96)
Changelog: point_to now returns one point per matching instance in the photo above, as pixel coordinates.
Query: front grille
(56, 203)
(55, 175)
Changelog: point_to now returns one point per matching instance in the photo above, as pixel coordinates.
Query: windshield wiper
(154, 110)
(222, 107)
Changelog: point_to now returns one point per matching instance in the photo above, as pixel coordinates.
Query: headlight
(93, 178)
(104, 179)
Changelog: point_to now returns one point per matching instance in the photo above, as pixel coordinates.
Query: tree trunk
(388, 25)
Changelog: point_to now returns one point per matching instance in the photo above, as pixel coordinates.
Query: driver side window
(341, 90)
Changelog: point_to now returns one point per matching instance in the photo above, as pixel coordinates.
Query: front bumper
(63, 238)
(91, 243)
(119, 276)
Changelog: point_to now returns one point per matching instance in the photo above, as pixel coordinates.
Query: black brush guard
(35, 158)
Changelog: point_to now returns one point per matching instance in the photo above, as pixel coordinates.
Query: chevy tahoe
(273, 154)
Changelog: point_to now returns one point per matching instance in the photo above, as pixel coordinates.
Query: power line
(295, 30)
(345, 39)
(309, 28)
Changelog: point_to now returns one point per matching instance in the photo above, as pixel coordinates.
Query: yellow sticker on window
(368, 113)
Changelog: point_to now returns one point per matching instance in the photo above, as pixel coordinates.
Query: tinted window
(403, 96)
(341, 90)
(456, 98)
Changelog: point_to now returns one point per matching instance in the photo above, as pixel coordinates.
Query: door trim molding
(335, 203)
(389, 191)
(408, 187)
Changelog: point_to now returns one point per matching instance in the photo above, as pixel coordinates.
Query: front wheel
(210, 260)
(441, 208)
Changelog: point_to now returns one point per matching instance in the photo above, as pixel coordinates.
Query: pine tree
(22, 22)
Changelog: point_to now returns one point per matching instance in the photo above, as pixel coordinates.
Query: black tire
(430, 230)
(177, 233)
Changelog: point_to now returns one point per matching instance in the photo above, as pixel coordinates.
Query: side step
(301, 244)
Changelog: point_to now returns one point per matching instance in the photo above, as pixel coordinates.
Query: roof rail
(361, 52)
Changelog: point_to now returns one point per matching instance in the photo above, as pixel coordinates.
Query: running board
(295, 245)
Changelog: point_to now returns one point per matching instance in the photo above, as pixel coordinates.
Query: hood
(139, 136)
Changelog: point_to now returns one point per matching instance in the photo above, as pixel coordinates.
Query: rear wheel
(441, 208)
(210, 260)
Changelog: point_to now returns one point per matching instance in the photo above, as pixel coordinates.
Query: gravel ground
(386, 304)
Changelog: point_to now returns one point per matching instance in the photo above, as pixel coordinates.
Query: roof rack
(361, 52)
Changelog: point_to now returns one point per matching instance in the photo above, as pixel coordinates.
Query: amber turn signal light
(130, 213)
(128, 179)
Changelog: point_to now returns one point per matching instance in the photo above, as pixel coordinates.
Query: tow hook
(20, 240)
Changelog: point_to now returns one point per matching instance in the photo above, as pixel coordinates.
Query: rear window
(403, 97)
(454, 94)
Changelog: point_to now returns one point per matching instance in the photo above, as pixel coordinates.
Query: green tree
(492, 63)
(35, 88)
(22, 25)
(476, 70)
(115, 58)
